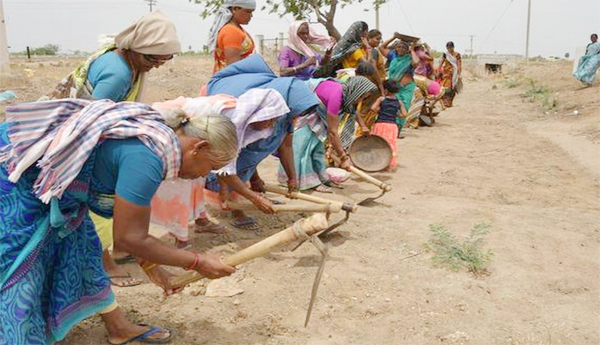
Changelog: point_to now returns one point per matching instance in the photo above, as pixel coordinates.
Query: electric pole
(527, 37)
(151, 3)
(4, 59)
(376, 15)
(471, 50)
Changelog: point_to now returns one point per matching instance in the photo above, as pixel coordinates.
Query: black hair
(450, 43)
(391, 85)
(365, 26)
(374, 33)
(365, 68)
(595, 35)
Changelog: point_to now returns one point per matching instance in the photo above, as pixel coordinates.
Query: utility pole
(471, 50)
(376, 15)
(527, 39)
(4, 59)
(151, 3)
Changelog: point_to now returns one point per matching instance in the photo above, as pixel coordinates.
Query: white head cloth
(223, 17)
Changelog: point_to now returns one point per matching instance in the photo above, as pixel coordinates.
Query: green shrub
(451, 254)
(511, 83)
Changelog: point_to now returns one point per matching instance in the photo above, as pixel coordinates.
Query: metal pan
(370, 153)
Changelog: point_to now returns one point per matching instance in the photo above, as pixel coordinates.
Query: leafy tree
(323, 10)
(48, 49)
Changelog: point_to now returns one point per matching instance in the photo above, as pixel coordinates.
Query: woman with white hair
(116, 72)
(227, 40)
(71, 156)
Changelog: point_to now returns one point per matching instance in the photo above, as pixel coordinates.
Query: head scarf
(223, 17)
(154, 34)
(354, 89)
(350, 41)
(314, 38)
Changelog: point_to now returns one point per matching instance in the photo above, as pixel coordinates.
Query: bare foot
(205, 225)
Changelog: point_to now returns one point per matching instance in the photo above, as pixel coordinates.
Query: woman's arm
(130, 232)
(383, 47)
(241, 188)
(377, 104)
(403, 113)
(292, 70)
(232, 55)
(374, 77)
(286, 156)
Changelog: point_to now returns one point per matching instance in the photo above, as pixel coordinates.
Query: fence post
(261, 44)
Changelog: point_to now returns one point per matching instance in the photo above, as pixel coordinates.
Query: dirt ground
(531, 173)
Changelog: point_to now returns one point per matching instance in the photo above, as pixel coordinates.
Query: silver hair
(218, 130)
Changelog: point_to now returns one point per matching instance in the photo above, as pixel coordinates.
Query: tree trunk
(332, 31)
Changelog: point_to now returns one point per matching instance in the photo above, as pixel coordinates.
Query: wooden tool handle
(298, 195)
(309, 226)
(327, 208)
(371, 179)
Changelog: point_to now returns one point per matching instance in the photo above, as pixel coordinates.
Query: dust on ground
(529, 169)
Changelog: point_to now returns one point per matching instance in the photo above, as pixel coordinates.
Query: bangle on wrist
(194, 264)
(295, 69)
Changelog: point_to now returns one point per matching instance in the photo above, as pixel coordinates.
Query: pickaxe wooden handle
(384, 186)
(298, 195)
(300, 230)
(325, 208)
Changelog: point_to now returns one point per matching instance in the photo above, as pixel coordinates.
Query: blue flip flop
(143, 338)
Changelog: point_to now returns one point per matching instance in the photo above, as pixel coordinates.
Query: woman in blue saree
(59, 159)
(234, 80)
(311, 132)
(589, 63)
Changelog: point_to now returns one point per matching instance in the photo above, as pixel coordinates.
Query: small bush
(469, 255)
(511, 83)
(541, 95)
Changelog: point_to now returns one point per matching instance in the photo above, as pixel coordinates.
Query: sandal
(128, 281)
(248, 223)
(143, 338)
(125, 259)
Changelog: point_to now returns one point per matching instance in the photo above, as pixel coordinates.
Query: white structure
(4, 59)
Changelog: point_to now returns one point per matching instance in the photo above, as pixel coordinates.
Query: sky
(495, 26)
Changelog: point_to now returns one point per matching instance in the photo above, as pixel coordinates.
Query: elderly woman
(450, 74)
(299, 58)
(228, 41)
(70, 156)
(235, 80)
(117, 72)
(254, 114)
(312, 131)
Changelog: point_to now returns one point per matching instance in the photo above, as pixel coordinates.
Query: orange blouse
(231, 36)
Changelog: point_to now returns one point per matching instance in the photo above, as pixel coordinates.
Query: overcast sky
(497, 26)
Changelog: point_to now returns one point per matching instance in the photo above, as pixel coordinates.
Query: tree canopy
(321, 10)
